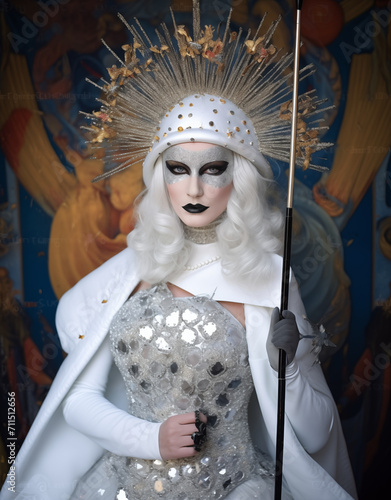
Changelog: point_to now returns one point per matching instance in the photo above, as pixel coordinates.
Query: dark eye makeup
(177, 168)
(213, 168)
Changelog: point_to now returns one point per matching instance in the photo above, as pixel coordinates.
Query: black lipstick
(195, 209)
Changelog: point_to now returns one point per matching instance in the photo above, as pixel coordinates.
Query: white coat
(54, 455)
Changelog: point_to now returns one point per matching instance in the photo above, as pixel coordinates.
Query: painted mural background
(55, 226)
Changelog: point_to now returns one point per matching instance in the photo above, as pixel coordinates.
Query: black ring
(199, 437)
(197, 419)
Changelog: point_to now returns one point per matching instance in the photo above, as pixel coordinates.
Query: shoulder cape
(54, 456)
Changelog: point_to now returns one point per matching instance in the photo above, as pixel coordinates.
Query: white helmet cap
(210, 119)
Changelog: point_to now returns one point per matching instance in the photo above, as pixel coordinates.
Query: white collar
(207, 278)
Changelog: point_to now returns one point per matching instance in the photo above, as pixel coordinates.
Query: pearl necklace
(202, 264)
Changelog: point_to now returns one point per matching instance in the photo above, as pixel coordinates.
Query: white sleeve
(310, 412)
(308, 403)
(86, 409)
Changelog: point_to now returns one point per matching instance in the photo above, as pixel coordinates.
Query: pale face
(198, 177)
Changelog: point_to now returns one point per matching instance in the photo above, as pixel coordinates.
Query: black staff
(286, 264)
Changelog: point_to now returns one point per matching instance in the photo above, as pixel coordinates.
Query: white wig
(247, 237)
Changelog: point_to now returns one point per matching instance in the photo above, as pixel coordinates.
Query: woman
(184, 321)
(203, 182)
(215, 204)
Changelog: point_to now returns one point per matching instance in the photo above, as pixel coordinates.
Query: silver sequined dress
(177, 355)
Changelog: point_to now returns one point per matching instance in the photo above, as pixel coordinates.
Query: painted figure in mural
(23, 371)
(167, 340)
(365, 405)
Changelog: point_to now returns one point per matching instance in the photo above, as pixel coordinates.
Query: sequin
(164, 384)
(204, 480)
(218, 387)
(162, 344)
(173, 474)
(148, 312)
(134, 345)
(188, 336)
(141, 468)
(216, 369)
(239, 476)
(172, 319)
(210, 328)
(187, 388)
(223, 442)
(227, 483)
(121, 495)
(188, 470)
(203, 385)
(234, 336)
(157, 369)
(212, 420)
(222, 400)
(158, 319)
(221, 462)
(183, 403)
(194, 357)
(176, 356)
(146, 352)
(121, 346)
(146, 332)
(243, 360)
(145, 385)
(230, 415)
(234, 384)
(143, 300)
(159, 486)
(189, 316)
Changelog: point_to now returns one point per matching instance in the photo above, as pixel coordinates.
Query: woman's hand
(175, 436)
(283, 334)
